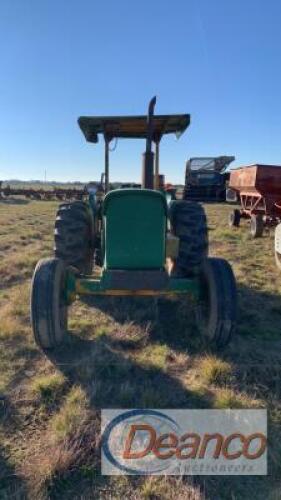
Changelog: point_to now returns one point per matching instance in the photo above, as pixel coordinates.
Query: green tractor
(132, 242)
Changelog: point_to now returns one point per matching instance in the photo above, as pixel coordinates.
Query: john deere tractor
(132, 242)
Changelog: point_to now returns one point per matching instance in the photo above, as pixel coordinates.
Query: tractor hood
(131, 127)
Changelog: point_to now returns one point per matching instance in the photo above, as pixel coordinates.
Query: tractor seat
(134, 229)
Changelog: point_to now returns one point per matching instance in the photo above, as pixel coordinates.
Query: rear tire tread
(73, 236)
(189, 224)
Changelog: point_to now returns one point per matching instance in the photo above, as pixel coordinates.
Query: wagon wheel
(234, 218)
(277, 245)
(257, 225)
(216, 311)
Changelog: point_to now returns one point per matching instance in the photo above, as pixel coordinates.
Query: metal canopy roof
(131, 127)
(216, 163)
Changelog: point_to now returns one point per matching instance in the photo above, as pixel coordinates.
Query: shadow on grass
(112, 379)
(172, 321)
(259, 314)
(169, 320)
(254, 353)
(11, 485)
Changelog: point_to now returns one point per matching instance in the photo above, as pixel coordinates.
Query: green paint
(135, 229)
(70, 287)
(90, 286)
(184, 285)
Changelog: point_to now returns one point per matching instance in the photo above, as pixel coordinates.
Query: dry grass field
(128, 353)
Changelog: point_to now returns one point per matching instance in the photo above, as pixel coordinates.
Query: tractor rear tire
(234, 218)
(216, 311)
(74, 236)
(189, 224)
(47, 304)
(257, 225)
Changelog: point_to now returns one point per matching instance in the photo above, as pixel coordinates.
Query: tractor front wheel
(48, 305)
(257, 225)
(216, 311)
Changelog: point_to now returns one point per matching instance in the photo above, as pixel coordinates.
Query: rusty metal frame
(253, 204)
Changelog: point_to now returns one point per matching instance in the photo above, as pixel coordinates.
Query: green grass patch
(71, 415)
(153, 355)
(227, 398)
(48, 387)
(214, 370)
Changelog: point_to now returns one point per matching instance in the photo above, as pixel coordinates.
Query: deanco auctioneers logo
(191, 442)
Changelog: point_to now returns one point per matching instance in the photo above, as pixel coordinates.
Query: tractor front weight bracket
(83, 285)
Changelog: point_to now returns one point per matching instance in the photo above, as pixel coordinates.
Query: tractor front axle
(105, 285)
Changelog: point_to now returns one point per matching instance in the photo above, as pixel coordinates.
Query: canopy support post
(106, 163)
(156, 169)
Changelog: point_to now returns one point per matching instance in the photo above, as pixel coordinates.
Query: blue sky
(218, 60)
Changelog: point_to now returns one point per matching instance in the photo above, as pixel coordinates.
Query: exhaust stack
(148, 156)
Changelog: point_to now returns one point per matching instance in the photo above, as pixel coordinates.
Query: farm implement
(259, 189)
(132, 242)
(44, 194)
(206, 178)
